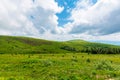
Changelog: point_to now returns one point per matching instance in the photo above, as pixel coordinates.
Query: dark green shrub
(11, 78)
(74, 60)
(88, 60)
(104, 65)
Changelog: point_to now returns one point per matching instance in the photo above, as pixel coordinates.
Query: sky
(61, 19)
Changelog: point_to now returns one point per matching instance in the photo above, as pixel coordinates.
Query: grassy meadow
(68, 66)
(23, 58)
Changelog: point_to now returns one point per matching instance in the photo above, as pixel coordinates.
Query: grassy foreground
(72, 66)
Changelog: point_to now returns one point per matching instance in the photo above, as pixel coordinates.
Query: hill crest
(26, 45)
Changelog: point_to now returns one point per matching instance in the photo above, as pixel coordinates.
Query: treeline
(100, 50)
(93, 50)
(68, 48)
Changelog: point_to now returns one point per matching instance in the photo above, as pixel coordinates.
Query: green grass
(25, 45)
(69, 66)
(23, 58)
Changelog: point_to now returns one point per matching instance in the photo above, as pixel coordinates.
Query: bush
(88, 60)
(104, 65)
(11, 78)
(47, 63)
(74, 60)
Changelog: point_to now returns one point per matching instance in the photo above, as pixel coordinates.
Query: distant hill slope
(25, 45)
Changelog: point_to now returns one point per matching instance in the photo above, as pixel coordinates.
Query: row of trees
(100, 50)
(93, 50)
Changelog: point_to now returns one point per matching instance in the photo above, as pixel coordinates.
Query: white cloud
(110, 37)
(25, 17)
(95, 19)
(82, 36)
(38, 19)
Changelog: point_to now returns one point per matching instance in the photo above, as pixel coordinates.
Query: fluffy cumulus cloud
(101, 18)
(38, 18)
(28, 17)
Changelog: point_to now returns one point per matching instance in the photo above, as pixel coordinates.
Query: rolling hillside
(25, 45)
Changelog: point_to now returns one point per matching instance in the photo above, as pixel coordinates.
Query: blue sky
(92, 20)
(65, 14)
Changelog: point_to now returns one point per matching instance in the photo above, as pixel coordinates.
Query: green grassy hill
(25, 45)
(23, 58)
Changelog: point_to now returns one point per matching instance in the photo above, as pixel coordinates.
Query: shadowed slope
(25, 45)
